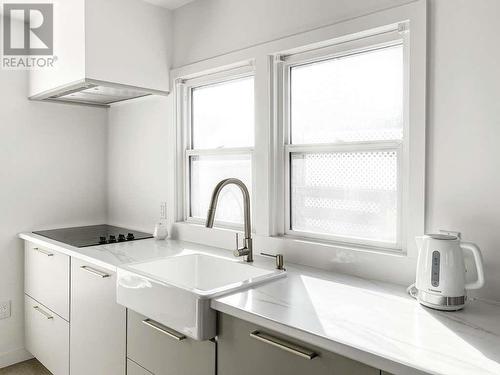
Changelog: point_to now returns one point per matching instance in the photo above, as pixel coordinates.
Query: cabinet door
(46, 336)
(46, 278)
(98, 323)
(246, 349)
(155, 348)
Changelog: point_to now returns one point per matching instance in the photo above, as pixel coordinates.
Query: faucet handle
(280, 260)
(240, 251)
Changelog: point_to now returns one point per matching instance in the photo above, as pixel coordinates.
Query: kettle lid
(444, 237)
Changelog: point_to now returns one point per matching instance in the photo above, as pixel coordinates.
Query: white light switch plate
(163, 210)
(4, 309)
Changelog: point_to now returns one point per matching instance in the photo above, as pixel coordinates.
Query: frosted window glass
(353, 98)
(346, 194)
(223, 114)
(207, 172)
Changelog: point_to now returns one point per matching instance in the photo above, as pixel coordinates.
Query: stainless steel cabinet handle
(95, 272)
(285, 345)
(44, 313)
(165, 330)
(44, 252)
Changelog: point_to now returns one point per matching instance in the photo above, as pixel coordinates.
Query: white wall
(138, 174)
(53, 174)
(463, 121)
(464, 126)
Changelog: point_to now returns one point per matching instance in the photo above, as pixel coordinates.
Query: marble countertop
(110, 256)
(372, 322)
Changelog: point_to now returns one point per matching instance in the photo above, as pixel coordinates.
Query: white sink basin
(176, 291)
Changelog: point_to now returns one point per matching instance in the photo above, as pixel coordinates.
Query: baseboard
(13, 357)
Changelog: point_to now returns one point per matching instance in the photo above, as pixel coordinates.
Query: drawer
(46, 336)
(247, 349)
(134, 369)
(153, 347)
(46, 278)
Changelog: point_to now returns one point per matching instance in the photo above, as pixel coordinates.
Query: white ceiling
(169, 4)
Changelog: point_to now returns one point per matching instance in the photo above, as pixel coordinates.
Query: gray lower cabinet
(156, 349)
(247, 349)
(134, 369)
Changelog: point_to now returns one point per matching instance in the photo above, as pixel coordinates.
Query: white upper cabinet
(105, 51)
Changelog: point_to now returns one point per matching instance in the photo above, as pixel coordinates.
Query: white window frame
(284, 62)
(268, 157)
(184, 89)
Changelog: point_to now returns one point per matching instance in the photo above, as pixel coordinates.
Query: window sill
(225, 238)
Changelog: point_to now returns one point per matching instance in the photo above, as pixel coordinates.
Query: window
(327, 130)
(344, 135)
(219, 125)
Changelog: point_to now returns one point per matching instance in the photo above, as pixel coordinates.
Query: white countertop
(372, 322)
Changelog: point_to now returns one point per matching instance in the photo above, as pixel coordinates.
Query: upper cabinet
(105, 51)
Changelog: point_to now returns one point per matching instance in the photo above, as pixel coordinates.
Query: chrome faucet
(247, 249)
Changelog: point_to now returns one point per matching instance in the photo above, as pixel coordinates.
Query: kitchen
(69, 165)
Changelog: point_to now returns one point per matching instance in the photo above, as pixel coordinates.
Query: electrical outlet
(4, 309)
(163, 210)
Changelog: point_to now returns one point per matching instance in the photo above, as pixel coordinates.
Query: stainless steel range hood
(95, 93)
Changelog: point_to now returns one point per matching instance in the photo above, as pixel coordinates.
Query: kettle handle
(479, 283)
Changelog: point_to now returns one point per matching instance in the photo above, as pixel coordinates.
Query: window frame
(369, 261)
(283, 64)
(185, 89)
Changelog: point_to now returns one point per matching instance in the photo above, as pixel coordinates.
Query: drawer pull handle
(95, 272)
(44, 252)
(44, 313)
(284, 345)
(165, 330)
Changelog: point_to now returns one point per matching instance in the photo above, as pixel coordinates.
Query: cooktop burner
(93, 235)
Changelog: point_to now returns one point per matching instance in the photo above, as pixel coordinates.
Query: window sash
(187, 92)
(395, 146)
(283, 66)
(286, 64)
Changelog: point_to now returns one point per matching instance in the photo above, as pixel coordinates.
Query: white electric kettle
(441, 271)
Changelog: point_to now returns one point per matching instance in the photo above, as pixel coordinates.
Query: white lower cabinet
(163, 351)
(98, 323)
(46, 278)
(247, 349)
(47, 336)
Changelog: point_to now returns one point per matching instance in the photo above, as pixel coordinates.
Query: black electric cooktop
(93, 235)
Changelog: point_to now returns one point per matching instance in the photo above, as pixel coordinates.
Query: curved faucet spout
(247, 249)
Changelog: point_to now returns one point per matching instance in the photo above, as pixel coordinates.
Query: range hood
(105, 52)
(95, 93)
